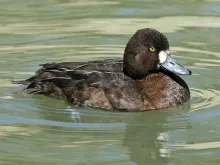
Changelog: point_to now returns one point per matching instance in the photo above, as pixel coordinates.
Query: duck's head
(148, 51)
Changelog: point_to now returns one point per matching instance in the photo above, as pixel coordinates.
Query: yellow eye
(152, 49)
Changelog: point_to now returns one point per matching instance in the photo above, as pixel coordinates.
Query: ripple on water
(204, 99)
(111, 26)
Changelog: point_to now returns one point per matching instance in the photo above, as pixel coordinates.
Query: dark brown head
(148, 51)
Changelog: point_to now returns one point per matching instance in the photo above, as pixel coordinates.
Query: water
(40, 130)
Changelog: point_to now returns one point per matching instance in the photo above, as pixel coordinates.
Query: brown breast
(162, 91)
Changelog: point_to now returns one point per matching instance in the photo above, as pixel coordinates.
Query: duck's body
(112, 84)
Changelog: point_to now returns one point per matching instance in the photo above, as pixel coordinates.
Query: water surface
(40, 130)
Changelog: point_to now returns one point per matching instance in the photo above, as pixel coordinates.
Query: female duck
(144, 80)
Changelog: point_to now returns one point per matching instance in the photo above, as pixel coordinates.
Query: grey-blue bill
(171, 65)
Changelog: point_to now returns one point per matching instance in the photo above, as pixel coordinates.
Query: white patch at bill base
(162, 56)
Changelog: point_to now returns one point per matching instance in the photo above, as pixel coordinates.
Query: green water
(40, 130)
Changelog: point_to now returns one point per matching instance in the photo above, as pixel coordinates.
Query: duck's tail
(25, 82)
(31, 85)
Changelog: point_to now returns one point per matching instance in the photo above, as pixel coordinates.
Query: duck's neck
(133, 73)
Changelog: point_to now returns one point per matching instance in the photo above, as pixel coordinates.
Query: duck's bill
(171, 65)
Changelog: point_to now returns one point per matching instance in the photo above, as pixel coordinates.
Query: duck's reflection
(149, 136)
(145, 136)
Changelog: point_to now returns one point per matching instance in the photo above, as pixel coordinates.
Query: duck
(146, 78)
